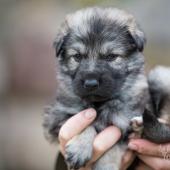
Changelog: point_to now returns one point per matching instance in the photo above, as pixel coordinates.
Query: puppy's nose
(91, 84)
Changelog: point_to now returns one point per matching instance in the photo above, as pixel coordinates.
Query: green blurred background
(27, 74)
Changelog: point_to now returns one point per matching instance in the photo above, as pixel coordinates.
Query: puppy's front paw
(78, 153)
(137, 125)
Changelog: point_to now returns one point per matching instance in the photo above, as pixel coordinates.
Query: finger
(127, 159)
(142, 166)
(163, 121)
(148, 148)
(75, 125)
(105, 140)
(88, 168)
(155, 163)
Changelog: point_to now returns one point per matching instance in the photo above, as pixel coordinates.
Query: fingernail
(132, 146)
(90, 113)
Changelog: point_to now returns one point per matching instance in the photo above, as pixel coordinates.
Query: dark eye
(77, 57)
(110, 57)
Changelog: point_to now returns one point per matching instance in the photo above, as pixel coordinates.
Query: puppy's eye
(110, 57)
(77, 57)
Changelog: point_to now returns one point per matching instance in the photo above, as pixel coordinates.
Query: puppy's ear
(60, 39)
(137, 34)
(128, 20)
(59, 43)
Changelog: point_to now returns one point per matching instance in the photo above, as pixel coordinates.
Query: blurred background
(27, 68)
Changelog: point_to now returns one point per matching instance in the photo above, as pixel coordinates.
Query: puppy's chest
(112, 113)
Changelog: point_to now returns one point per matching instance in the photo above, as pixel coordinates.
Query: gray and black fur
(159, 87)
(101, 65)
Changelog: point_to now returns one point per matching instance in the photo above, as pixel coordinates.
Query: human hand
(78, 123)
(127, 159)
(155, 156)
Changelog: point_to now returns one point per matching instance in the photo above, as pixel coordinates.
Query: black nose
(91, 84)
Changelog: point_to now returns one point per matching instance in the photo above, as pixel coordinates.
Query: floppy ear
(128, 20)
(137, 34)
(58, 44)
(60, 39)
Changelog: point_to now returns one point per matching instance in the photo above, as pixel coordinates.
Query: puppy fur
(159, 87)
(101, 48)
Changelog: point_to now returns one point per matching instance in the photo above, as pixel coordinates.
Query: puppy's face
(96, 48)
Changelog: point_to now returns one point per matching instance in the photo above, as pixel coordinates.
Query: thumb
(76, 124)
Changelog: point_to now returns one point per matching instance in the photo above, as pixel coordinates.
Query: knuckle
(158, 153)
(125, 159)
(63, 135)
(98, 147)
(141, 150)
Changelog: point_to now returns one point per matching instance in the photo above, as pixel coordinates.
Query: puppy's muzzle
(94, 86)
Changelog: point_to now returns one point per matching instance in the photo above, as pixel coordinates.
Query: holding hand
(78, 123)
(155, 156)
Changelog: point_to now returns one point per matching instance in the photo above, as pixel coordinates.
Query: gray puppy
(156, 118)
(154, 124)
(101, 65)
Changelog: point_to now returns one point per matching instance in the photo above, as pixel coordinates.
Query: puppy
(100, 65)
(155, 124)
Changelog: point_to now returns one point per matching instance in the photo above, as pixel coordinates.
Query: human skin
(153, 156)
(71, 128)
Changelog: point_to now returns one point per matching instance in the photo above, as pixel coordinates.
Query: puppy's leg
(54, 118)
(154, 130)
(111, 160)
(79, 150)
(55, 115)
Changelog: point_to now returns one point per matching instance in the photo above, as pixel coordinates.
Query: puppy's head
(99, 48)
